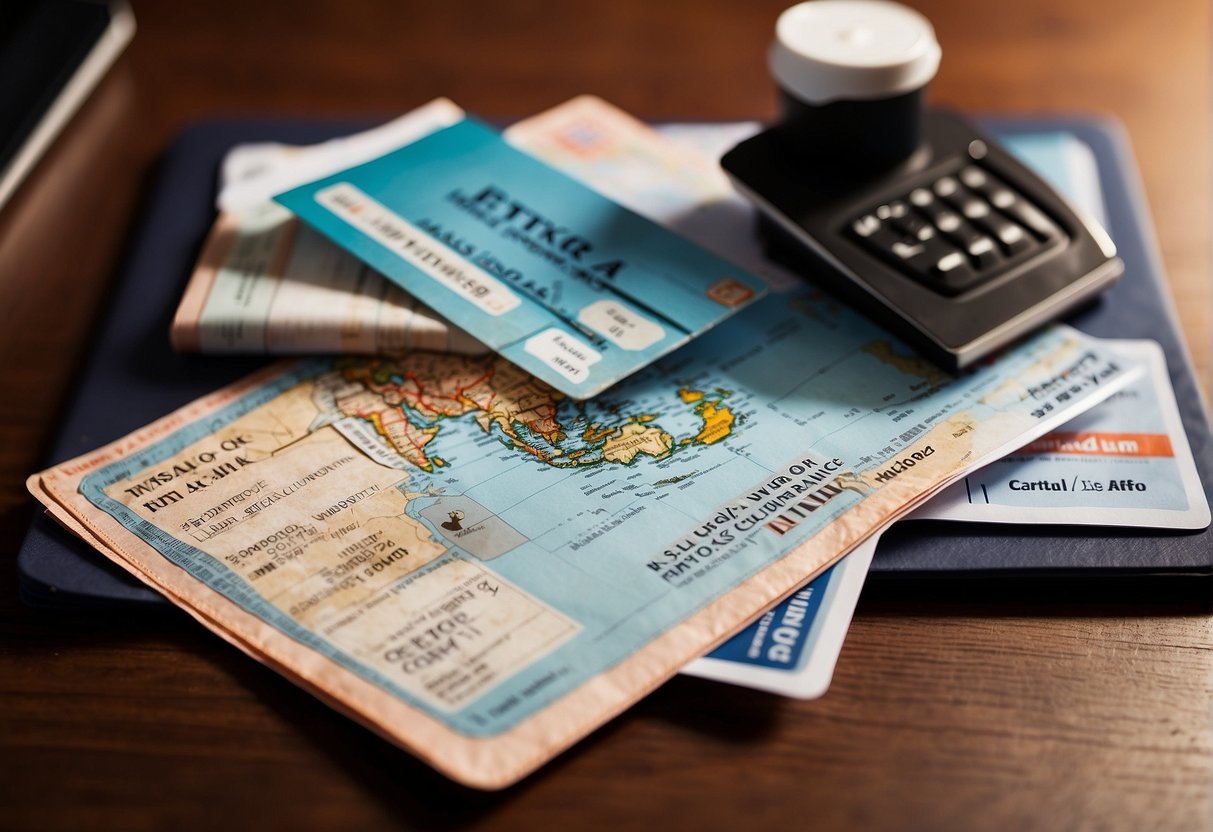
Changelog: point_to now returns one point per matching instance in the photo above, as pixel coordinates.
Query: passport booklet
(567, 284)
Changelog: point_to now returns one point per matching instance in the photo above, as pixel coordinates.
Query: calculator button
(946, 186)
(950, 262)
(1012, 237)
(915, 226)
(974, 177)
(956, 229)
(907, 250)
(984, 252)
(941, 216)
(1028, 215)
(974, 208)
(866, 226)
(953, 272)
(1002, 198)
(947, 221)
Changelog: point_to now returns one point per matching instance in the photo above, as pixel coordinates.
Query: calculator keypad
(957, 231)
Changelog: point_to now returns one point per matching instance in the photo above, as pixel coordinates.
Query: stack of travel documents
(580, 432)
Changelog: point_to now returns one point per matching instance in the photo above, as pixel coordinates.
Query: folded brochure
(265, 283)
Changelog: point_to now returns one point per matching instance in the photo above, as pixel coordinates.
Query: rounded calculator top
(828, 50)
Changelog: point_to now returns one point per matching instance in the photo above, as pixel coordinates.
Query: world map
(407, 403)
(376, 499)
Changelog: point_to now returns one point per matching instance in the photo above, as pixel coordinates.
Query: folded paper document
(264, 283)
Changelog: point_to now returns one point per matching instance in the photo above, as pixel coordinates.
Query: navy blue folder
(133, 377)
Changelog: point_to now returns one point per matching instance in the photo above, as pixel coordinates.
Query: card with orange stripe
(1124, 463)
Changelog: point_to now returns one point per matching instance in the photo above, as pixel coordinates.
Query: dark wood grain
(1015, 709)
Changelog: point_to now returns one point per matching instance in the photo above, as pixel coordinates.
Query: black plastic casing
(807, 201)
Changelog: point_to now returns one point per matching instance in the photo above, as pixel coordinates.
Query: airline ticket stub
(568, 285)
(1124, 463)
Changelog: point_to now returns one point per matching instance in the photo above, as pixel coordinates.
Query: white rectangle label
(419, 249)
(562, 352)
(621, 325)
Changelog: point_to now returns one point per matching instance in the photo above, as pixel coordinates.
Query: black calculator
(958, 248)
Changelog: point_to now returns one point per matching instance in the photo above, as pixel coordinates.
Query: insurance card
(793, 648)
(568, 285)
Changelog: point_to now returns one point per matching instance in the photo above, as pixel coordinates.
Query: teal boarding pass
(568, 285)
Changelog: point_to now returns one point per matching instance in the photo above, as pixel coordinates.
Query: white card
(1126, 462)
(793, 648)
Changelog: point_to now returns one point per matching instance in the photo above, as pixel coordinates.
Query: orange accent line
(1102, 444)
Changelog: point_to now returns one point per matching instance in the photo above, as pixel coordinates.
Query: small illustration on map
(472, 527)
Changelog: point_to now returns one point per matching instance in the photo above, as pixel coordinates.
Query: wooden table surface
(1020, 707)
